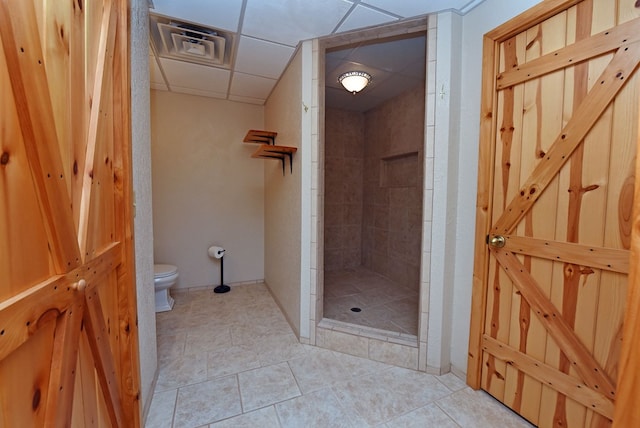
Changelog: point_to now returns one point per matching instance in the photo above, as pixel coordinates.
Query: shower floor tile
(383, 304)
(232, 361)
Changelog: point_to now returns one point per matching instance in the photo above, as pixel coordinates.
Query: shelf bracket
(268, 149)
(281, 156)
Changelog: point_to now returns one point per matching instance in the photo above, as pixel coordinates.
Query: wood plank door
(559, 133)
(68, 341)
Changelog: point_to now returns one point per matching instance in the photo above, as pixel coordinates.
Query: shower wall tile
(426, 269)
(430, 138)
(318, 303)
(380, 216)
(381, 241)
(314, 230)
(422, 354)
(333, 237)
(431, 44)
(427, 204)
(426, 236)
(312, 332)
(332, 258)
(342, 342)
(432, 21)
(381, 195)
(351, 233)
(314, 178)
(316, 207)
(431, 77)
(317, 256)
(352, 258)
(380, 262)
(392, 353)
(333, 196)
(431, 101)
(392, 207)
(313, 314)
(428, 176)
(352, 195)
(352, 214)
(313, 283)
(343, 178)
(424, 327)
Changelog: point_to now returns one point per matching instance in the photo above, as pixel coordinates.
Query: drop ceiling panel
(267, 32)
(246, 85)
(289, 22)
(262, 58)
(407, 8)
(222, 14)
(195, 76)
(363, 16)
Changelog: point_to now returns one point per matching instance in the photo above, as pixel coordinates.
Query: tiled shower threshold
(398, 349)
(370, 332)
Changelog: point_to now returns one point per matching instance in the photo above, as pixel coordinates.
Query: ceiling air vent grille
(189, 42)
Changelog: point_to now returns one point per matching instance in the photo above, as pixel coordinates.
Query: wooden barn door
(68, 341)
(559, 131)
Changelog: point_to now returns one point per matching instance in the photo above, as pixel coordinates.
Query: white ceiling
(268, 31)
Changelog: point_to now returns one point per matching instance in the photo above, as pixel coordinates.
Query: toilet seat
(163, 271)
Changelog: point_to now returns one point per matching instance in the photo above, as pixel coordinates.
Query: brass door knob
(497, 241)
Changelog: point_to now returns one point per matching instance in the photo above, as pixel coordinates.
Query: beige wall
(282, 201)
(206, 188)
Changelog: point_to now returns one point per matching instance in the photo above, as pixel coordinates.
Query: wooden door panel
(63, 365)
(68, 341)
(27, 397)
(30, 90)
(21, 221)
(53, 17)
(557, 176)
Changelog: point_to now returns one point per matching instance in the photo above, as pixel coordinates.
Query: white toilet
(164, 276)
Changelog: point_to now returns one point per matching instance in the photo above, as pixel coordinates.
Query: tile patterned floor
(231, 360)
(384, 304)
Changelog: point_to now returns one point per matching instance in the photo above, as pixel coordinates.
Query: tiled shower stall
(371, 210)
(373, 213)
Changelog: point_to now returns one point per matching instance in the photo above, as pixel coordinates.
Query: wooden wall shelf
(267, 148)
(266, 151)
(260, 137)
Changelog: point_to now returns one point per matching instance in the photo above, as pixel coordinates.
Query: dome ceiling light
(354, 81)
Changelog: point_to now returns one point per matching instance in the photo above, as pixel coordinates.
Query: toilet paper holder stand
(218, 253)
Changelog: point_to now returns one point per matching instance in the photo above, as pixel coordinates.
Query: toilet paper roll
(216, 252)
